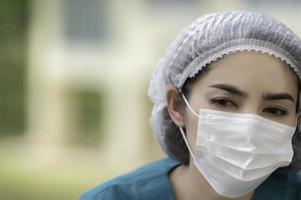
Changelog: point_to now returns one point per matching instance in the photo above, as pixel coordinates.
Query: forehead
(252, 72)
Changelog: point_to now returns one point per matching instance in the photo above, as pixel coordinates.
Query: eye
(275, 111)
(224, 103)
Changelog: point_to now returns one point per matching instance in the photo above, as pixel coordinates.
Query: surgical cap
(208, 39)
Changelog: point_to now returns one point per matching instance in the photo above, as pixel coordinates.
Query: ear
(175, 105)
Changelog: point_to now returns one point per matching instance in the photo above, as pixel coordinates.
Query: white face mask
(236, 152)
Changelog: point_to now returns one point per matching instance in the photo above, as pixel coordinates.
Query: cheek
(201, 100)
(197, 101)
(289, 121)
(191, 124)
(292, 120)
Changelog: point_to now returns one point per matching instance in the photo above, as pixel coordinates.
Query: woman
(226, 109)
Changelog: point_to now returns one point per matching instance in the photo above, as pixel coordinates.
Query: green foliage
(13, 29)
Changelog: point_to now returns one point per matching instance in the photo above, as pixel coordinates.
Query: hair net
(209, 38)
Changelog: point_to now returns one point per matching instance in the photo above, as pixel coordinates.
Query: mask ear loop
(181, 129)
(186, 142)
(186, 102)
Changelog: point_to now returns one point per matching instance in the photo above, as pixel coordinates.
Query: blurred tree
(13, 28)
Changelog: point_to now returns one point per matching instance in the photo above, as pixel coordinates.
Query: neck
(188, 183)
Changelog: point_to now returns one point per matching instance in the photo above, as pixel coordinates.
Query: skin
(268, 88)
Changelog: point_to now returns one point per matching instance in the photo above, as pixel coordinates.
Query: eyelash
(274, 111)
(221, 102)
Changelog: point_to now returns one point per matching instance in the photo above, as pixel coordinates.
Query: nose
(251, 108)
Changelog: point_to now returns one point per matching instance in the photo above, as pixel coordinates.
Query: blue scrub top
(151, 182)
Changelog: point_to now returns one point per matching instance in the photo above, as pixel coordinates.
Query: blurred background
(74, 74)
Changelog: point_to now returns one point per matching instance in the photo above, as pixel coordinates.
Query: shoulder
(145, 180)
(282, 186)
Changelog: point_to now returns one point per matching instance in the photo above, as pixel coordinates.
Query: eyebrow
(278, 96)
(229, 88)
(268, 96)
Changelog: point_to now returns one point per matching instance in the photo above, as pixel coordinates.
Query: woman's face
(245, 82)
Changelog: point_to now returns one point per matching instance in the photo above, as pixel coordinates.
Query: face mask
(236, 152)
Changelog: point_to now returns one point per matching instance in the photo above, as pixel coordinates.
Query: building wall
(70, 59)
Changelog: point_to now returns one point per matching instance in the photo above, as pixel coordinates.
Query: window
(86, 108)
(174, 2)
(274, 3)
(85, 21)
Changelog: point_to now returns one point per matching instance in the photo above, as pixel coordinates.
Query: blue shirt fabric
(151, 182)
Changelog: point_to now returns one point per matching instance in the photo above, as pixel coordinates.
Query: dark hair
(179, 151)
(173, 138)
